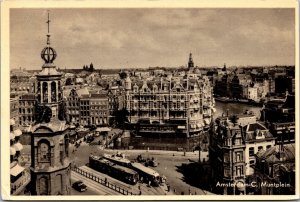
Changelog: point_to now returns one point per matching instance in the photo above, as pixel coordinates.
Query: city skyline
(112, 38)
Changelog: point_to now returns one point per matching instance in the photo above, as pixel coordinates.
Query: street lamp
(201, 132)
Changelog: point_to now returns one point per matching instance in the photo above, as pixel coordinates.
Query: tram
(119, 172)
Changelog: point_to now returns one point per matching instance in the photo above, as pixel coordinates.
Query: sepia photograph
(136, 102)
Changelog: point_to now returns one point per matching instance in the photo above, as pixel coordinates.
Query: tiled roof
(254, 126)
(82, 91)
(273, 154)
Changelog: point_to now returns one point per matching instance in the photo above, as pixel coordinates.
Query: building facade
(19, 175)
(27, 109)
(275, 171)
(99, 109)
(170, 107)
(14, 109)
(227, 158)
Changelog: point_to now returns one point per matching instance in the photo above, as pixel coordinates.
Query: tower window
(44, 153)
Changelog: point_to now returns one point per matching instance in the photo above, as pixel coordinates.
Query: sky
(138, 38)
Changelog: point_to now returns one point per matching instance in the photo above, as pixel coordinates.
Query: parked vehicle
(79, 186)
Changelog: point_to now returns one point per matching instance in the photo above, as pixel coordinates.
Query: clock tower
(50, 164)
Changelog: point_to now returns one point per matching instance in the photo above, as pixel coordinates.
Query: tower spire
(48, 34)
(48, 54)
(191, 63)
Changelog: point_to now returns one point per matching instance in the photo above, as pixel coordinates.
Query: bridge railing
(102, 181)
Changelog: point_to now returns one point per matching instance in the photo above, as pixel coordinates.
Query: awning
(104, 129)
(16, 170)
(18, 146)
(12, 136)
(12, 151)
(17, 132)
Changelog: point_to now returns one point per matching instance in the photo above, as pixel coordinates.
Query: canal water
(235, 108)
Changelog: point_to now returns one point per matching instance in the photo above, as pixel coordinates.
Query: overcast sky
(120, 38)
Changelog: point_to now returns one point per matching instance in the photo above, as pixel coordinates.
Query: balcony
(18, 186)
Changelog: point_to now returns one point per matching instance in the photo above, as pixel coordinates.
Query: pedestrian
(140, 192)
(168, 188)
(105, 180)
(174, 191)
(195, 193)
(182, 193)
(190, 193)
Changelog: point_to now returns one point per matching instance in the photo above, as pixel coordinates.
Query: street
(169, 162)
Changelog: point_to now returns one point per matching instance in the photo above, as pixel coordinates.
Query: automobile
(152, 163)
(79, 186)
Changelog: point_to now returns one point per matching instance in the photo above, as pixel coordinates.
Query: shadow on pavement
(196, 174)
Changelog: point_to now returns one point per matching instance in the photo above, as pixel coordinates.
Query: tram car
(118, 159)
(121, 173)
(146, 174)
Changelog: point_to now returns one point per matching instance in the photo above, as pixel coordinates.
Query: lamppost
(201, 132)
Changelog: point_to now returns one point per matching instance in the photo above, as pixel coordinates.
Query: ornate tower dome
(48, 53)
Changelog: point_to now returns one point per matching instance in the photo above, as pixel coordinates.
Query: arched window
(53, 91)
(45, 91)
(59, 90)
(44, 151)
(39, 91)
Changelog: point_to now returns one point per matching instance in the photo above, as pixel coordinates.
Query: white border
(5, 83)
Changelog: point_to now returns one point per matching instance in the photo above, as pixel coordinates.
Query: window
(44, 152)
(239, 156)
(239, 171)
(226, 172)
(251, 151)
(226, 157)
(260, 148)
(269, 146)
(252, 162)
